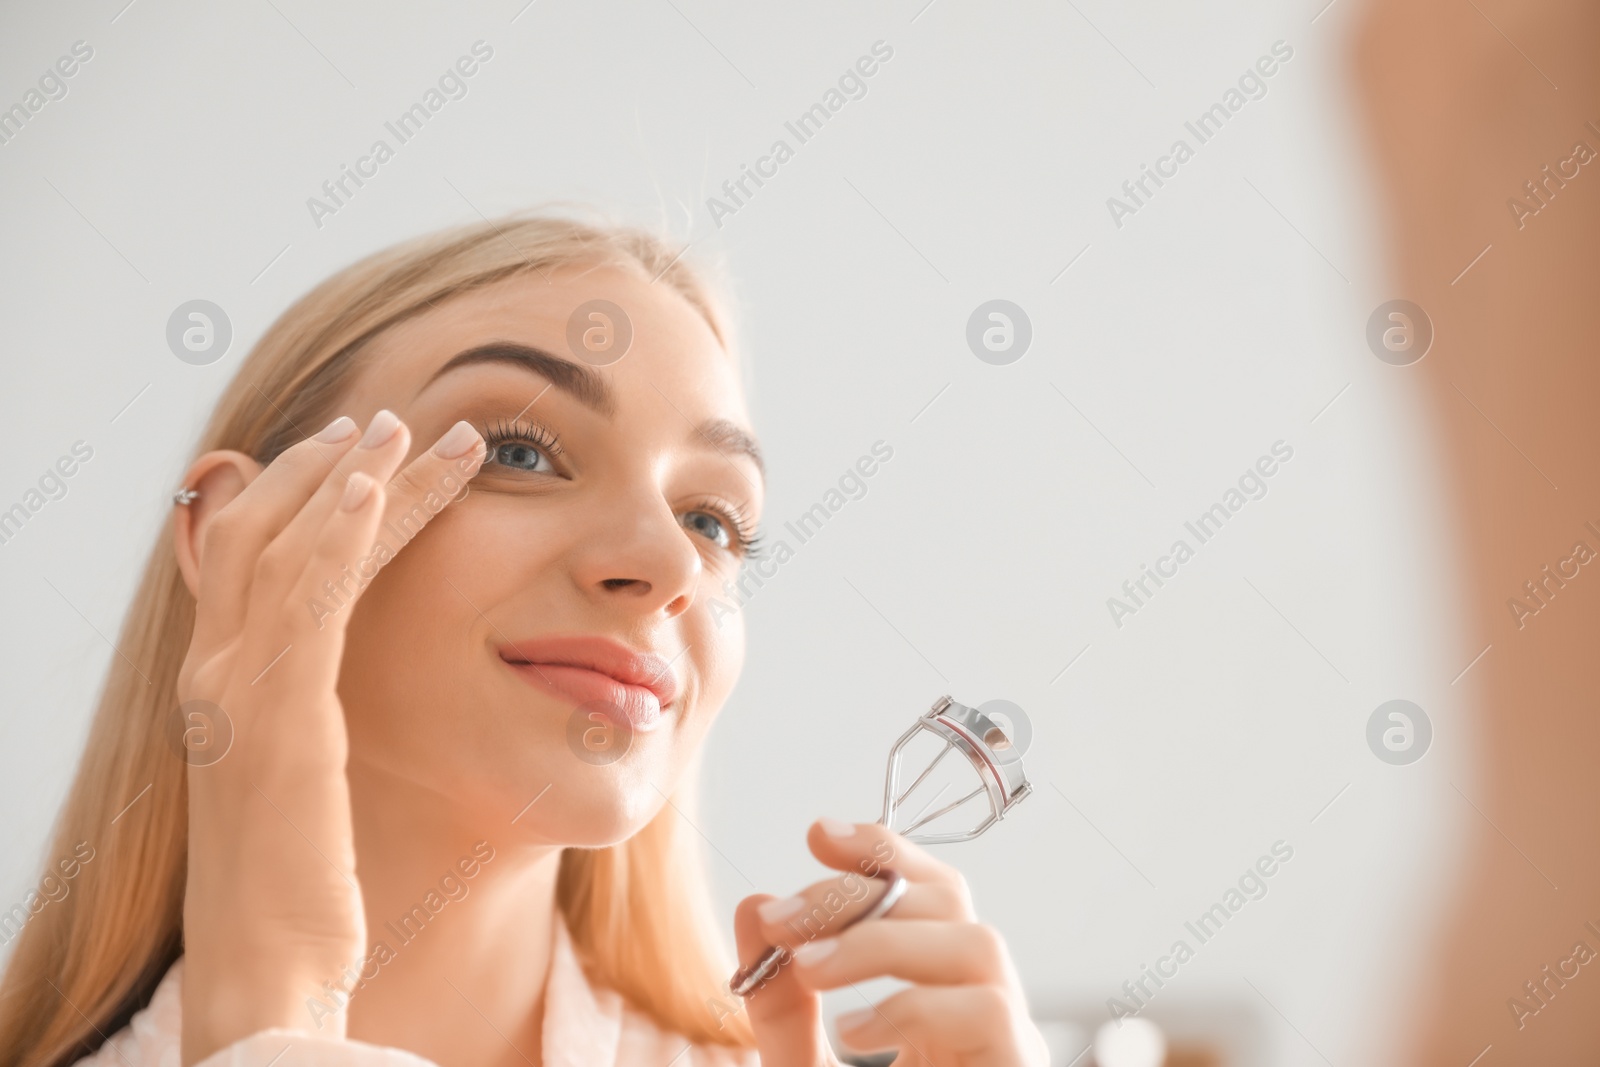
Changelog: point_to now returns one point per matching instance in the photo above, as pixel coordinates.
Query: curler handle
(746, 980)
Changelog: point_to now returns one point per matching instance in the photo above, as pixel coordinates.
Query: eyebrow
(582, 383)
(586, 386)
(726, 437)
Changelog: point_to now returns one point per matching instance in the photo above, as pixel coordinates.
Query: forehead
(673, 355)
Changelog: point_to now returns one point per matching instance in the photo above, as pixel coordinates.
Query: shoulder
(586, 1023)
(152, 1039)
(643, 1041)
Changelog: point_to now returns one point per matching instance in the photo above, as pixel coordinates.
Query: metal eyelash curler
(988, 746)
(994, 753)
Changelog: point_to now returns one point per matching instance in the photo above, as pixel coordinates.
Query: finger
(303, 653)
(946, 1024)
(432, 481)
(915, 950)
(282, 563)
(786, 1017)
(825, 908)
(305, 659)
(241, 530)
(337, 573)
(343, 551)
(296, 749)
(869, 848)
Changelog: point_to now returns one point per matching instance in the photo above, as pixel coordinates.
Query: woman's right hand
(272, 908)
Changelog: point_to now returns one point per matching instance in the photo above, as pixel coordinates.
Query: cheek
(408, 636)
(425, 696)
(716, 639)
(713, 661)
(436, 591)
(416, 650)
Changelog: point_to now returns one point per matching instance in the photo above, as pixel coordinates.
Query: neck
(459, 926)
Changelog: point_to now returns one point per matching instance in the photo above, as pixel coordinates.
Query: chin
(586, 799)
(593, 807)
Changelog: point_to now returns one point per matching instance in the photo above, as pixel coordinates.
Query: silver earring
(183, 497)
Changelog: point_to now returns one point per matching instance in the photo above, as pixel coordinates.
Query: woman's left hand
(966, 1006)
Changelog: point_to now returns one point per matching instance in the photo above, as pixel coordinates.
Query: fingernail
(356, 491)
(814, 952)
(849, 1020)
(380, 429)
(775, 911)
(836, 827)
(337, 430)
(457, 441)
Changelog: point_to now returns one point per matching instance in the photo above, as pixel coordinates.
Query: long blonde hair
(639, 911)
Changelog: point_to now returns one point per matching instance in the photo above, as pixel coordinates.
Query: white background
(1223, 317)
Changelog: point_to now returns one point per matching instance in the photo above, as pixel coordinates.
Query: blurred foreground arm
(1467, 102)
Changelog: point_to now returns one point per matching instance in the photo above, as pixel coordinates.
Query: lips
(597, 670)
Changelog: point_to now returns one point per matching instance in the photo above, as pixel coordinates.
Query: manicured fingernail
(814, 952)
(380, 429)
(775, 911)
(457, 441)
(337, 430)
(356, 491)
(849, 1020)
(836, 827)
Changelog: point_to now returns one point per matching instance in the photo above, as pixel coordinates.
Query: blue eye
(521, 456)
(709, 526)
(724, 525)
(524, 447)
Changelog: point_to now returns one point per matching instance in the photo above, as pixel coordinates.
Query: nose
(636, 553)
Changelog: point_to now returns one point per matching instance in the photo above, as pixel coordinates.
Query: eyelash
(749, 540)
(501, 432)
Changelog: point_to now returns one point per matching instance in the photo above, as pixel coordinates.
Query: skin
(1459, 117)
(390, 740)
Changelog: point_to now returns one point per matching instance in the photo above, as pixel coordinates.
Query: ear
(218, 477)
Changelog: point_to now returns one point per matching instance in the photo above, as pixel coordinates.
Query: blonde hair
(639, 911)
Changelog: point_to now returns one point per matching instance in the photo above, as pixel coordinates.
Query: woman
(438, 814)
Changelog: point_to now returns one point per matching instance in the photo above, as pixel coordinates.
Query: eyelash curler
(994, 753)
(989, 747)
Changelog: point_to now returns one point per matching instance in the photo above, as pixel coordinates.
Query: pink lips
(597, 670)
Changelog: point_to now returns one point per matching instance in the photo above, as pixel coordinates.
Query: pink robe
(584, 1026)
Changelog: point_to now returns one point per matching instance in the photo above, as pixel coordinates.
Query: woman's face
(488, 662)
